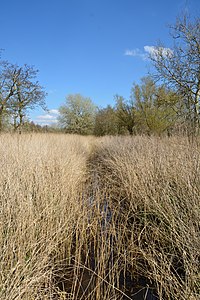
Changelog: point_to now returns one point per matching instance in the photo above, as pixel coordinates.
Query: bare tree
(19, 92)
(8, 79)
(179, 66)
(28, 94)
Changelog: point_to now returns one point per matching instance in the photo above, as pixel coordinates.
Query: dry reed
(109, 218)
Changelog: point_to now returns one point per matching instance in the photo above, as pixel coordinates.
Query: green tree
(77, 115)
(125, 112)
(179, 67)
(155, 107)
(106, 122)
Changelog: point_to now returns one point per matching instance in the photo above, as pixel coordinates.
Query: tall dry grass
(109, 218)
(41, 183)
(154, 196)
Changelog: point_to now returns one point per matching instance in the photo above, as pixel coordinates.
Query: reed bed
(154, 197)
(41, 183)
(107, 218)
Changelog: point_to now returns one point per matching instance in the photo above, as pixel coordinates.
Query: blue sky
(91, 47)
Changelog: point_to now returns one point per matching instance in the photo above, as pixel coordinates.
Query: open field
(99, 218)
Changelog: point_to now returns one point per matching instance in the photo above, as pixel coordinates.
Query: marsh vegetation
(99, 218)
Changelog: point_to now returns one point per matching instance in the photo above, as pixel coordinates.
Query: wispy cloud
(49, 118)
(50, 92)
(135, 53)
(148, 51)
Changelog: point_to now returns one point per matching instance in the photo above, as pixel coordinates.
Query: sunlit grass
(88, 218)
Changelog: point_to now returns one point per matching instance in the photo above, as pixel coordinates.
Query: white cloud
(135, 53)
(54, 111)
(148, 50)
(49, 118)
(153, 51)
(45, 117)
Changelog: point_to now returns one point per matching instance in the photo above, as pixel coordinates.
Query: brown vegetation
(107, 218)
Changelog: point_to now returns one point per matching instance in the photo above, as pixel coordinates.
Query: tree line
(150, 109)
(166, 101)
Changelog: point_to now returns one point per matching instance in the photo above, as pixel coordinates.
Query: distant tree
(77, 115)
(106, 122)
(179, 67)
(125, 112)
(30, 126)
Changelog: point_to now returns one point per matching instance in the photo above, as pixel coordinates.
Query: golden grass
(109, 218)
(41, 181)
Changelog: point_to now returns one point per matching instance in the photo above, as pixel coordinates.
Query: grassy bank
(110, 218)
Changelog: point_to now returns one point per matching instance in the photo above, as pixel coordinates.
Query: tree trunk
(20, 122)
(130, 130)
(1, 118)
